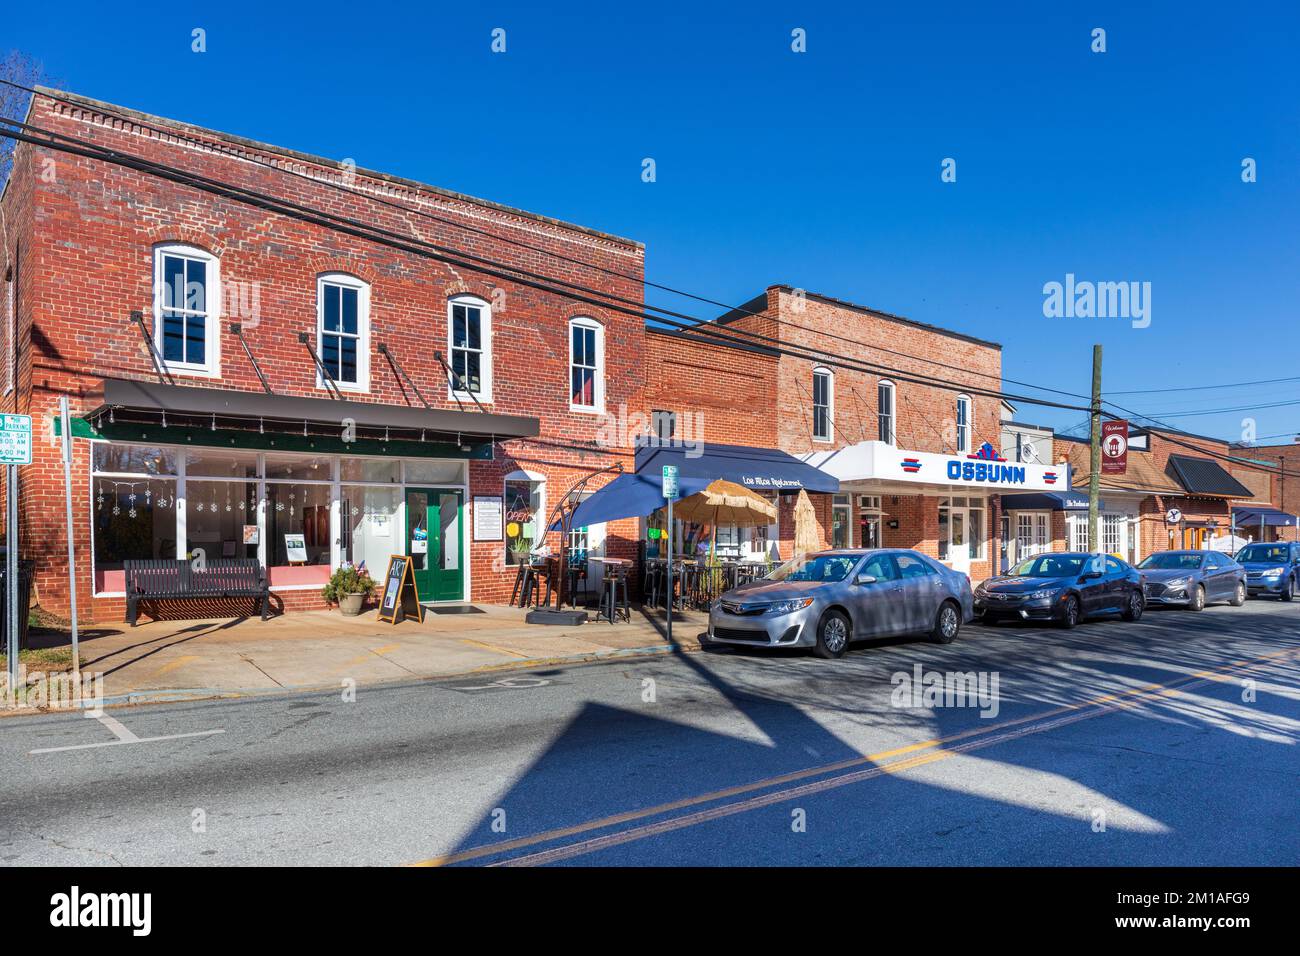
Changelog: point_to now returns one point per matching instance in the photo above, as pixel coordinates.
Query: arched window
(885, 412)
(823, 403)
(586, 365)
(965, 416)
(187, 309)
(469, 345)
(343, 330)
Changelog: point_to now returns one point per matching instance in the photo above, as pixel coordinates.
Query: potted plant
(521, 549)
(349, 589)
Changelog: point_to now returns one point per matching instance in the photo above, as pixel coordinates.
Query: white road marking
(123, 735)
(115, 725)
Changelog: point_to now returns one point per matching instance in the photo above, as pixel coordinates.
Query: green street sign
(15, 439)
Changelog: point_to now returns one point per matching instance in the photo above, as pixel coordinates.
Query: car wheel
(1137, 604)
(1197, 602)
(1288, 591)
(1069, 615)
(947, 624)
(1240, 597)
(832, 635)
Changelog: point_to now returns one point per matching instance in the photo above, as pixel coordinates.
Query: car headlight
(785, 607)
(1042, 593)
(1274, 572)
(1177, 583)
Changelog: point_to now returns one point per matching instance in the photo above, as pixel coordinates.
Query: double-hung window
(823, 399)
(586, 365)
(469, 342)
(963, 423)
(187, 300)
(343, 330)
(885, 411)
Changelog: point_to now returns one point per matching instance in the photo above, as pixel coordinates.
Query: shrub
(347, 580)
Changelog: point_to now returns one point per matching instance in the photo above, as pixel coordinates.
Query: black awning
(759, 469)
(1201, 476)
(225, 405)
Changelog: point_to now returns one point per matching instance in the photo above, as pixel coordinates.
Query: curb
(189, 694)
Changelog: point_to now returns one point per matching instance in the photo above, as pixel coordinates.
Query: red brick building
(282, 396)
(901, 405)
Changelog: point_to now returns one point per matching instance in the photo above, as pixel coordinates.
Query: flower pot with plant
(349, 589)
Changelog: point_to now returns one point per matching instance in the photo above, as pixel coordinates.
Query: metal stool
(610, 606)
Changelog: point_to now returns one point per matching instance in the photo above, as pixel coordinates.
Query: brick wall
(87, 231)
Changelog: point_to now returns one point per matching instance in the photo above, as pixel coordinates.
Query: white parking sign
(15, 439)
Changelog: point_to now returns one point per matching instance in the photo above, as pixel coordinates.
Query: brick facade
(79, 242)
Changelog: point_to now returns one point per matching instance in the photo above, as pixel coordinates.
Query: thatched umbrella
(807, 535)
(725, 502)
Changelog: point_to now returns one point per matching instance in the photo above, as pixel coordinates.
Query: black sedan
(1062, 587)
(1192, 579)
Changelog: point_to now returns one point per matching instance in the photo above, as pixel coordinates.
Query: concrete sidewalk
(160, 660)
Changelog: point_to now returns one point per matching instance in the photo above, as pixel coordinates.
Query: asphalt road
(1111, 744)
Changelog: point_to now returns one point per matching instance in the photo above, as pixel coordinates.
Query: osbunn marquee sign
(875, 460)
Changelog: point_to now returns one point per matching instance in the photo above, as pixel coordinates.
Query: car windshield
(1049, 566)
(1263, 552)
(815, 567)
(1170, 561)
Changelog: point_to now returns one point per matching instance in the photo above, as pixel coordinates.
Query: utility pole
(1094, 475)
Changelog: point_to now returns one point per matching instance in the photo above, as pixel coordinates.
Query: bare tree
(16, 67)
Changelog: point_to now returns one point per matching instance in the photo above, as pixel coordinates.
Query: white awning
(985, 469)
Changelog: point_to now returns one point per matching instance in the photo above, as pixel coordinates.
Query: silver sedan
(828, 599)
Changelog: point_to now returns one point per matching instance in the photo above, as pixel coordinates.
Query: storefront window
(213, 463)
(370, 470)
(293, 467)
(522, 517)
(216, 514)
(370, 526)
(132, 519)
(298, 532)
(425, 471)
(152, 502)
(134, 459)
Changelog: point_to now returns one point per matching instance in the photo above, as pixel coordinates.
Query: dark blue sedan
(1062, 587)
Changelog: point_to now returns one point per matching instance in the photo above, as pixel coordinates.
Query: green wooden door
(433, 535)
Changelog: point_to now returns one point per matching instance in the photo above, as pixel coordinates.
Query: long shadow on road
(1150, 775)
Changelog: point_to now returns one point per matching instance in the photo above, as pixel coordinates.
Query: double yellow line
(923, 753)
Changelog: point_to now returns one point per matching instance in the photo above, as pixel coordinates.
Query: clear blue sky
(822, 169)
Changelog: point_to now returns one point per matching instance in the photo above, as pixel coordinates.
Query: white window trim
(212, 367)
(830, 404)
(343, 279)
(535, 478)
(598, 392)
(893, 410)
(485, 334)
(969, 427)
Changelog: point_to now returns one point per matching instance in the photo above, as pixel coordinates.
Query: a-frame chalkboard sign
(401, 598)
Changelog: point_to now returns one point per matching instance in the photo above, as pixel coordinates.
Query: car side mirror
(866, 579)
(1090, 575)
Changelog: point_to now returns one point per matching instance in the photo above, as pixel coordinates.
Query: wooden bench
(156, 580)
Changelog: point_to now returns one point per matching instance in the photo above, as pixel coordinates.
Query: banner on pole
(1114, 448)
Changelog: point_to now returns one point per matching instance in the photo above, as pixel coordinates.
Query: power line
(405, 208)
(1202, 388)
(694, 325)
(473, 262)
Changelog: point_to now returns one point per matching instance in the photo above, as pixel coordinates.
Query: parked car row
(827, 600)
